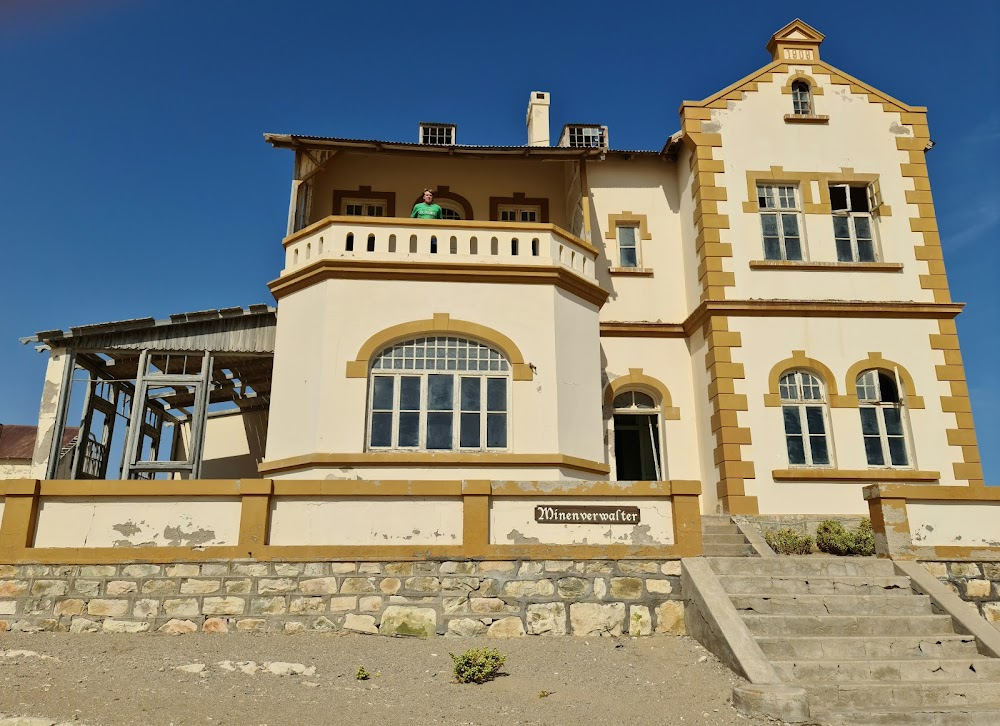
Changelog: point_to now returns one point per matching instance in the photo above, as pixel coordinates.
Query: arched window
(439, 393)
(803, 408)
(801, 99)
(449, 209)
(882, 419)
(637, 437)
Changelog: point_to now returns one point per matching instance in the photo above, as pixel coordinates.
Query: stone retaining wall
(500, 599)
(977, 583)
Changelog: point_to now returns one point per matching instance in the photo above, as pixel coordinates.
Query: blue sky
(134, 180)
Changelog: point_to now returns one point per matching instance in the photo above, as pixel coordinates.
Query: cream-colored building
(760, 305)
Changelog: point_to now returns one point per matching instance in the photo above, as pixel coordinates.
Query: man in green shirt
(426, 209)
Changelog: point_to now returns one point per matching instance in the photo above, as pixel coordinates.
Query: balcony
(476, 248)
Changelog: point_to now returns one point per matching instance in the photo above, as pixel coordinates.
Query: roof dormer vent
(584, 136)
(434, 134)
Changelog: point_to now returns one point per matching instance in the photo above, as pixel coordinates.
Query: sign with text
(559, 514)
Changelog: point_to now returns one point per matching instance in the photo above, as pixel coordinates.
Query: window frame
(518, 211)
(802, 99)
(853, 238)
(437, 134)
(636, 245)
(879, 407)
(779, 212)
(367, 204)
(659, 453)
(801, 405)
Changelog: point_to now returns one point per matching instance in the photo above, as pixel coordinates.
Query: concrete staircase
(722, 538)
(864, 646)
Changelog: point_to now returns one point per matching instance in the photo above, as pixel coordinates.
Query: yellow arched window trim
(637, 380)
(814, 88)
(440, 324)
(876, 361)
(799, 361)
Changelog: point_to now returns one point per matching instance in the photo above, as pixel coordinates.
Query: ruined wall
(499, 598)
(977, 583)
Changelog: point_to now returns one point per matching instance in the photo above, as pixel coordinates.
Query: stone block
(991, 570)
(360, 624)
(8, 607)
(314, 569)
(370, 568)
(422, 584)
(370, 604)
(937, 569)
(390, 585)
(505, 567)
(398, 568)
(510, 627)
(548, 618)
(529, 588)
(466, 627)
(288, 569)
(238, 587)
(98, 571)
(83, 625)
(637, 567)
(107, 608)
(599, 567)
(596, 619)
(49, 588)
(600, 588)
(251, 625)
(4, 626)
(8, 571)
(427, 567)
(307, 606)
(215, 625)
(357, 585)
(13, 588)
(991, 611)
(458, 568)
(160, 587)
(186, 570)
(673, 567)
(292, 628)
(489, 587)
(140, 570)
(117, 588)
(460, 584)
(527, 569)
(486, 605)
(267, 586)
(68, 607)
(87, 588)
(670, 617)
(215, 569)
(559, 566)
(659, 587)
(186, 607)
(255, 569)
(223, 606)
(318, 586)
(977, 588)
(408, 621)
(342, 568)
(324, 624)
(343, 604)
(178, 627)
(267, 605)
(964, 569)
(146, 609)
(639, 621)
(626, 588)
(452, 605)
(198, 587)
(124, 626)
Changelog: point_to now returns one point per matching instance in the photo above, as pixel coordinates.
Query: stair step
(850, 695)
(885, 602)
(729, 550)
(807, 567)
(969, 715)
(930, 669)
(848, 624)
(720, 529)
(724, 539)
(869, 648)
(838, 585)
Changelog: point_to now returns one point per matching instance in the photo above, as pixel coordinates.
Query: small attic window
(585, 137)
(801, 99)
(437, 134)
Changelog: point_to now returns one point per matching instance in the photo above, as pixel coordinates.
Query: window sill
(792, 118)
(637, 271)
(809, 266)
(855, 475)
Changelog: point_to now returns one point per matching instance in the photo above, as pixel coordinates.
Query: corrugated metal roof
(18, 442)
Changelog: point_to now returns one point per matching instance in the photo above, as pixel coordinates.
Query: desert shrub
(833, 537)
(362, 674)
(786, 541)
(477, 665)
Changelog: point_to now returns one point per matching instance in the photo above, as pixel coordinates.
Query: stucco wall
(15, 469)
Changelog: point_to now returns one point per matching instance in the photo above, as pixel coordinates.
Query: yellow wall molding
(811, 266)
(855, 475)
(875, 361)
(637, 380)
(422, 459)
(803, 180)
(440, 324)
(799, 361)
(627, 219)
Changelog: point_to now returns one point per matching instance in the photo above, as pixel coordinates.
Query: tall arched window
(882, 419)
(637, 437)
(803, 407)
(439, 393)
(801, 99)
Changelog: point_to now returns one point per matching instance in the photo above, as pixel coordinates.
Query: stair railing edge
(754, 537)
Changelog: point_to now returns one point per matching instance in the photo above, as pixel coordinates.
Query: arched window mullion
(805, 419)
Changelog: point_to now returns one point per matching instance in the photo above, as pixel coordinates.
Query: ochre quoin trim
(424, 459)
(441, 323)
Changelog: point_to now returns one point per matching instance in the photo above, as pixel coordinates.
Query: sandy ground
(109, 680)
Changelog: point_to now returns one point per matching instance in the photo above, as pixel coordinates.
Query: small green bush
(477, 665)
(832, 537)
(362, 674)
(786, 541)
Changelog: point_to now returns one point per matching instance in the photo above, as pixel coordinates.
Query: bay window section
(439, 394)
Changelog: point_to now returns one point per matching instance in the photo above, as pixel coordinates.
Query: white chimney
(538, 119)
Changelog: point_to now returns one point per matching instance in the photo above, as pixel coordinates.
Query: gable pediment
(796, 41)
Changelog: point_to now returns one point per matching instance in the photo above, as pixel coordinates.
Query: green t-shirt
(426, 211)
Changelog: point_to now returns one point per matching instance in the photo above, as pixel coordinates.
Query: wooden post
(20, 515)
(255, 515)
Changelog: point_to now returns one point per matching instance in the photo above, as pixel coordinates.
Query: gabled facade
(760, 306)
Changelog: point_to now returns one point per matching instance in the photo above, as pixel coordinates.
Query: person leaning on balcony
(426, 209)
